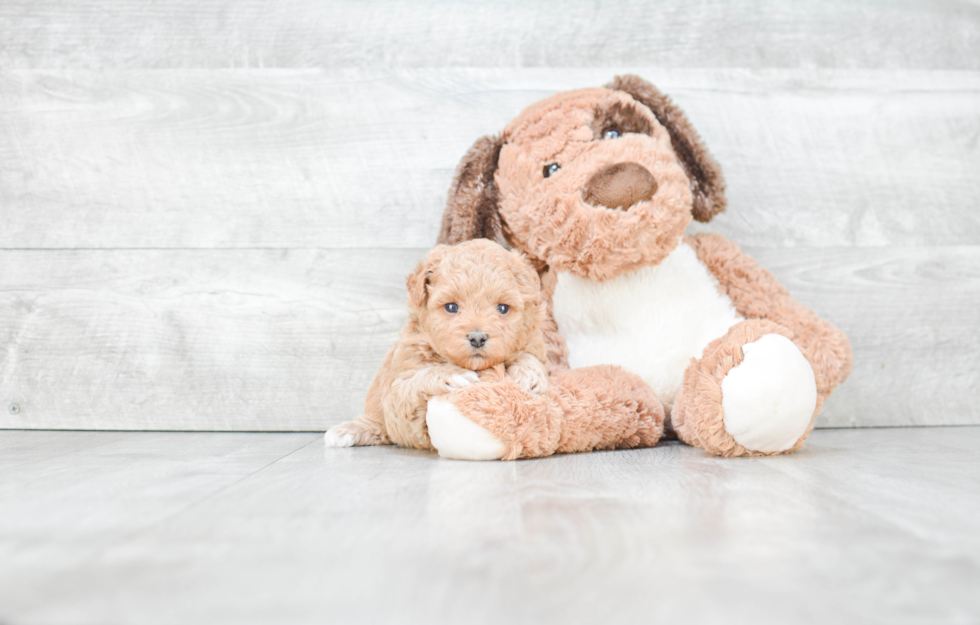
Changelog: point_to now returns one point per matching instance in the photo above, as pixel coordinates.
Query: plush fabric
(597, 187)
(584, 409)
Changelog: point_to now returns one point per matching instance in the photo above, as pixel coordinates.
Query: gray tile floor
(869, 526)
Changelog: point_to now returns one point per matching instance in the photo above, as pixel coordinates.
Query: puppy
(475, 313)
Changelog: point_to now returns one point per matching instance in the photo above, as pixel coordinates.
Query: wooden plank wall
(207, 209)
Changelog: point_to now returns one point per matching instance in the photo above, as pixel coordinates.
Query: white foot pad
(455, 436)
(769, 398)
(333, 438)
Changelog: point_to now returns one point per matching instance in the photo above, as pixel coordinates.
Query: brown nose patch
(620, 186)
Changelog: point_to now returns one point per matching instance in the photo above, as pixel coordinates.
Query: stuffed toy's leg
(752, 393)
(602, 407)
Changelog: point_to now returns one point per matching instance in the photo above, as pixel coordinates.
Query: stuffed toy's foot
(751, 393)
(600, 407)
(454, 436)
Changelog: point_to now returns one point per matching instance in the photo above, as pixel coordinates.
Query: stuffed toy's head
(598, 182)
(478, 304)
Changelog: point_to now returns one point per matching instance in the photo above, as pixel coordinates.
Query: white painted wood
(195, 340)
(350, 158)
(911, 316)
(512, 33)
(863, 526)
(207, 209)
(290, 340)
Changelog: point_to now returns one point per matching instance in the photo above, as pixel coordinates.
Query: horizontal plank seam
(318, 432)
(199, 249)
(414, 247)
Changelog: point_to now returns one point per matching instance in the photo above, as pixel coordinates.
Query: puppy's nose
(620, 186)
(477, 339)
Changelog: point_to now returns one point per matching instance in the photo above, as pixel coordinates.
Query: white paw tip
(769, 398)
(454, 436)
(462, 380)
(335, 439)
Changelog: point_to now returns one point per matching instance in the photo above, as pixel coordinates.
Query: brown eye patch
(620, 117)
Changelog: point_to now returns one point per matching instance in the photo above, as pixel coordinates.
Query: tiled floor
(864, 526)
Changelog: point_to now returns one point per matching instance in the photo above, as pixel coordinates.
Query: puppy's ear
(416, 285)
(707, 182)
(471, 210)
(418, 281)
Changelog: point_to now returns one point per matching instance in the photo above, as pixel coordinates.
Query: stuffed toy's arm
(754, 291)
(555, 347)
(756, 294)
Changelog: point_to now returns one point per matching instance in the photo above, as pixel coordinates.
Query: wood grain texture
(443, 33)
(346, 159)
(207, 209)
(912, 317)
(120, 486)
(195, 340)
(290, 340)
(862, 526)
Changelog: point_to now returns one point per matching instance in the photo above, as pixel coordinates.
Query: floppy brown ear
(417, 282)
(471, 210)
(707, 182)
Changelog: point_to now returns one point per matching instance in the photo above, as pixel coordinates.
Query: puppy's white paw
(333, 438)
(462, 380)
(769, 398)
(455, 436)
(529, 374)
(533, 384)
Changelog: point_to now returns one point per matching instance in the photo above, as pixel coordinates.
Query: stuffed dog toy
(475, 314)
(597, 187)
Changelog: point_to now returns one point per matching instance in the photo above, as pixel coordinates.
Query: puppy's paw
(442, 379)
(533, 385)
(333, 438)
(354, 434)
(462, 380)
(529, 374)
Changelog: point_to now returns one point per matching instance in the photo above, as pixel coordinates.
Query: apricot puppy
(475, 313)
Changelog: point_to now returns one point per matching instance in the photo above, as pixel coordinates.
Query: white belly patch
(651, 321)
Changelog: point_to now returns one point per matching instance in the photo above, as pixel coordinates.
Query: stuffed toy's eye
(611, 134)
(549, 170)
(503, 308)
(451, 308)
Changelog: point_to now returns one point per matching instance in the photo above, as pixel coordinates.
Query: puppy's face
(477, 303)
(590, 183)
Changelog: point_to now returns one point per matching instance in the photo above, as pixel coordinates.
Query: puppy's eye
(611, 134)
(550, 170)
(503, 308)
(451, 308)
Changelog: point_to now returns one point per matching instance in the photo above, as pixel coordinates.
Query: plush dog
(596, 187)
(475, 314)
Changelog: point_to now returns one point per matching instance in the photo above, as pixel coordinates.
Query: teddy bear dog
(597, 187)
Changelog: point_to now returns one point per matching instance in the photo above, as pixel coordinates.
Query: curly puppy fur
(475, 310)
(600, 183)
